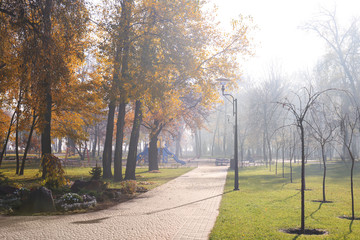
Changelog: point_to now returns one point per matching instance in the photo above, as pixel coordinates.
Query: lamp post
(233, 100)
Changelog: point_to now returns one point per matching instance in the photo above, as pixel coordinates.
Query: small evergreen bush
(95, 173)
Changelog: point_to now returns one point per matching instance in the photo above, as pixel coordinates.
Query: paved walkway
(184, 208)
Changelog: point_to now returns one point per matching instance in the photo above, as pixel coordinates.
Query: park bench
(222, 162)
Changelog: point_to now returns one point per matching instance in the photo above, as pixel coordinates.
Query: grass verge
(267, 203)
(143, 177)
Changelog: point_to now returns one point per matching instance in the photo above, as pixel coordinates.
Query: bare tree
(349, 125)
(299, 107)
(343, 42)
(322, 130)
(340, 66)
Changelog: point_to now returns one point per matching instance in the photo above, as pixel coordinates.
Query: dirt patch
(321, 201)
(298, 231)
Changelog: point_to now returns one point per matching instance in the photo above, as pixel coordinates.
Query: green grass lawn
(267, 203)
(72, 173)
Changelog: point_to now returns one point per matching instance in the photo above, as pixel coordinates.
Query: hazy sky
(279, 38)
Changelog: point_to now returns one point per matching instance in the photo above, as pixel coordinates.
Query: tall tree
(125, 23)
(116, 31)
(54, 33)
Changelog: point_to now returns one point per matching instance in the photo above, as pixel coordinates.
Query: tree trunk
(7, 138)
(269, 150)
(119, 143)
(291, 171)
(28, 144)
(283, 160)
(324, 175)
(291, 153)
(107, 153)
(197, 155)
(177, 144)
(264, 150)
(216, 129)
(17, 144)
(242, 153)
(302, 178)
(46, 132)
(79, 152)
(224, 138)
(17, 132)
(84, 151)
(200, 144)
(345, 150)
(60, 145)
(93, 150)
(98, 146)
(276, 161)
(134, 139)
(352, 183)
(292, 156)
(71, 146)
(153, 151)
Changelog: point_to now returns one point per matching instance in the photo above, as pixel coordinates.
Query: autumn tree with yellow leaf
(163, 57)
(188, 58)
(51, 35)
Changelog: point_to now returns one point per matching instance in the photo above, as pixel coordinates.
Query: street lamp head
(223, 82)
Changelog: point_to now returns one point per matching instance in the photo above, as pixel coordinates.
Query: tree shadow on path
(92, 221)
(187, 204)
(98, 220)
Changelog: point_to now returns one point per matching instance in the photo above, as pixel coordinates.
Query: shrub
(55, 174)
(3, 179)
(95, 173)
(70, 198)
(129, 186)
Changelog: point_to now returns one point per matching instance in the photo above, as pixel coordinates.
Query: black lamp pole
(236, 151)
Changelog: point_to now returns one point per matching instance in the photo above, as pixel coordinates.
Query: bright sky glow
(279, 38)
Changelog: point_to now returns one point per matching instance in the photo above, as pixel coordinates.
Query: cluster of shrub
(58, 194)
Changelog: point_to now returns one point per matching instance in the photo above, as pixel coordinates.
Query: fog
(303, 51)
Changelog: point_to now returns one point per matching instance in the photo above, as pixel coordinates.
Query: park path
(184, 208)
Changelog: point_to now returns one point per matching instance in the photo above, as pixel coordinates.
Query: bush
(95, 173)
(3, 179)
(70, 198)
(129, 187)
(55, 174)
